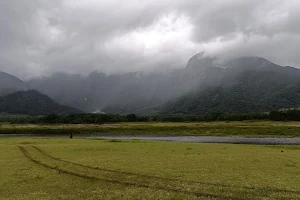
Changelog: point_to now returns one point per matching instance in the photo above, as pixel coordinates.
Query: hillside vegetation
(32, 103)
(243, 90)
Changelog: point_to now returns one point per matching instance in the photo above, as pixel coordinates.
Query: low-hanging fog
(41, 37)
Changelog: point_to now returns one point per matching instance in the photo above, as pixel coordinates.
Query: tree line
(278, 115)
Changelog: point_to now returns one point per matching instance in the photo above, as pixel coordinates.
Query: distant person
(71, 136)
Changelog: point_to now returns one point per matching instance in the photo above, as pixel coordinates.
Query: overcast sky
(39, 37)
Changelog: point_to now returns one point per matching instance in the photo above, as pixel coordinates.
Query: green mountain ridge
(250, 91)
(32, 103)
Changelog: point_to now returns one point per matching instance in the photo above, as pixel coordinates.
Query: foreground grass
(258, 129)
(112, 169)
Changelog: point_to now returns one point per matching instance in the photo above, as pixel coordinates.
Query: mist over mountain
(10, 83)
(245, 84)
(139, 92)
(130, 92)
(207, 84)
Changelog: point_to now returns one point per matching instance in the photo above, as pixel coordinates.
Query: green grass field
(247, 128)
(112, 169)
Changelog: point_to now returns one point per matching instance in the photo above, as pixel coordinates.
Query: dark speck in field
(136, 140)
(114, 141)
(25, 143)
(282, 151)
(290, 165)
(97, 139)
(38, 177)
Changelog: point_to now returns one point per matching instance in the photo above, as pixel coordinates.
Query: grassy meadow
(112, 169)
(246, 128)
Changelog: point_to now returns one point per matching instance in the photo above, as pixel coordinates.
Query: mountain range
(246, 84)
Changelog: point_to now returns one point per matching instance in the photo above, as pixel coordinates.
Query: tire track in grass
(92, 178)
(166, 179)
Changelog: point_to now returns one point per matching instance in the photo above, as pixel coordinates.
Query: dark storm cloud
(39, 37)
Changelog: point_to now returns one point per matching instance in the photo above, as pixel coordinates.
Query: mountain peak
(201, 61)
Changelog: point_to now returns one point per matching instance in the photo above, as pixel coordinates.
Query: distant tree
(276, 116)
(131, 117)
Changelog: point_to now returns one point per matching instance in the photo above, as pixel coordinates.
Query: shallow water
(196, 139)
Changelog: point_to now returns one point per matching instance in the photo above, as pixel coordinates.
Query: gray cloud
(39, 37)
